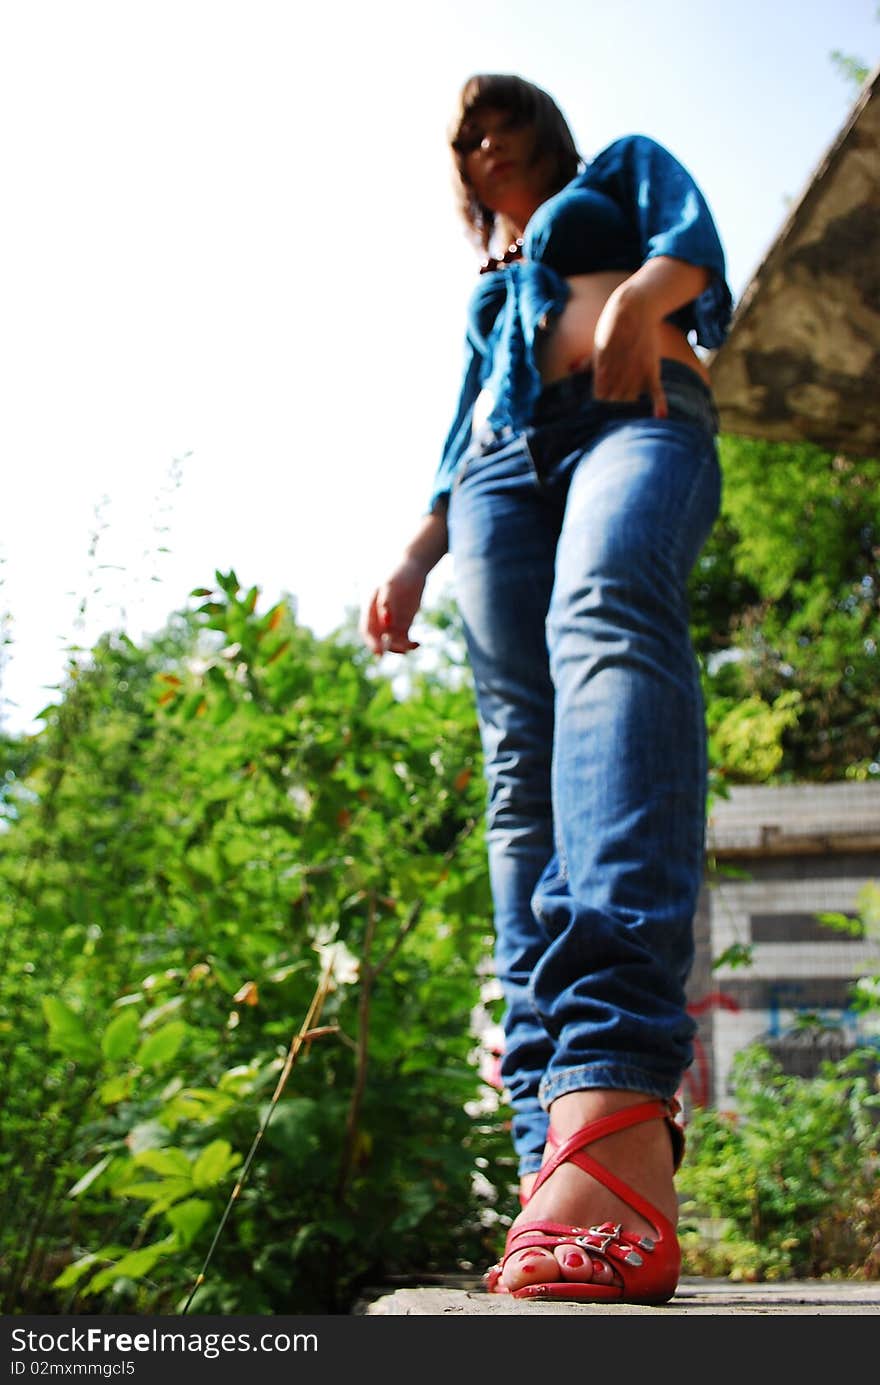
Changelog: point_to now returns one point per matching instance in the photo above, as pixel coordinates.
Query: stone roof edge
(808, 196)
(796, 819)
(769, 840)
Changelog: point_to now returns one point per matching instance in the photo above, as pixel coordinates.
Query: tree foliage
(785, 601)
(198, 823)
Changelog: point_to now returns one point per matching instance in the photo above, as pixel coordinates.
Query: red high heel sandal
(645, 1268)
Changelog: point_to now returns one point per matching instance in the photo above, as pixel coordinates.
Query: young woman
(577, 485)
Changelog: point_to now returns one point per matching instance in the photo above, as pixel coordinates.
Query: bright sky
(229, 239)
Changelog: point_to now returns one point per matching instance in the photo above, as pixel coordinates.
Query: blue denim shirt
(633, 201)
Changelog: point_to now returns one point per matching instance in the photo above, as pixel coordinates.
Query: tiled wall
(798, 849)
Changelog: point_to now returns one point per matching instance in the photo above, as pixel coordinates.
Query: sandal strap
(670, 1114)
(671, 1108)
(572, 1151)
(608, 1241)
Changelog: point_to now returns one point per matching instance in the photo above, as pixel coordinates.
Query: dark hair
(525, 104)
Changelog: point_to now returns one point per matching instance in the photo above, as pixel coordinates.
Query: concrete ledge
(463, 1296)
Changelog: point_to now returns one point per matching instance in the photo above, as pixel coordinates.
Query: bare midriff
(567, 345)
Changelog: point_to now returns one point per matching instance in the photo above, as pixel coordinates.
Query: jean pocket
(689, 406)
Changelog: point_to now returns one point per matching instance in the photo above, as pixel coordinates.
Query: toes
(535, 1266)
(567, 1261)
(581, 1267)
(574, 1263)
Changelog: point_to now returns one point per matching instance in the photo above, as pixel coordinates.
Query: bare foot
(640, 1155)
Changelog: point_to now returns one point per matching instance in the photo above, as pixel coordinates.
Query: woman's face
(499, 165)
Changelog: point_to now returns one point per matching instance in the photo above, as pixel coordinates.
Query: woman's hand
(626, 350)
(392, 609)
(626, 346)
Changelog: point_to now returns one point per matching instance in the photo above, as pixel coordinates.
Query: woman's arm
(682, 267)
(385, 624)
(626, 349)
(393, 606)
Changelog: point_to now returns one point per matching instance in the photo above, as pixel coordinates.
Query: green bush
(199, 829)
(788, 1186)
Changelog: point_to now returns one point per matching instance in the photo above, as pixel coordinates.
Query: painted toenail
(574, 1262)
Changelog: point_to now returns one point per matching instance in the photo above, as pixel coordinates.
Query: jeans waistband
(687, 396)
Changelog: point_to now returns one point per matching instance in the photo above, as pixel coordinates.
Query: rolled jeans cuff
(529, 1163)
(611, 1076)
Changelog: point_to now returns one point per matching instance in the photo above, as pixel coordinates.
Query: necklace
(513, 252)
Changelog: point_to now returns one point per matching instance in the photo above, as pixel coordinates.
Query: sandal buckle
(598, 1238)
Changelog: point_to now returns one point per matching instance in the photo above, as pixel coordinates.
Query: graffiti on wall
(697, 1084)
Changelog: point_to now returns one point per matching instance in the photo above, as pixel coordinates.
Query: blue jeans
(572, 544)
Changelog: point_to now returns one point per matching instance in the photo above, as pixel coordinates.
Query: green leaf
(188, 1218)
(89, 1178)
(192, 705)
(223, 708)
(196, 1104)
(161, 1012)
(241, 1079)
(116, 1088)
(302, 1238)
(170, 1161)
(74, 1272)
(843, 923)
(162, 1048)
(67, 1031)
(214, 1163)
(147, 1135)
(293, 1128)
(737, 955)
(239, 851)
(159, 1192)
(120, 1037)
(134, 1265)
